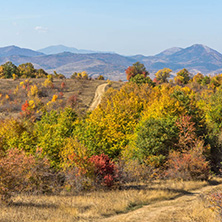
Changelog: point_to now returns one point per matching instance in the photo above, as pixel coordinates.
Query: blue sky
(125, 26)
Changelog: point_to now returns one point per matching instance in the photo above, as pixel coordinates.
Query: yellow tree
(183, 76)
(2, 75)
(84, 75)
(27, 70)
(198, 78)
(109, 127)
(170, 101)
(163, 75)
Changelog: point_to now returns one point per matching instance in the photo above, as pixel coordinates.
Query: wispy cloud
(41, 29)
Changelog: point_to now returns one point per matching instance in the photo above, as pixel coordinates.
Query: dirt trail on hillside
(98, 96)
(164, 211)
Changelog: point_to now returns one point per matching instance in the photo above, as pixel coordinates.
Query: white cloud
(41, 29)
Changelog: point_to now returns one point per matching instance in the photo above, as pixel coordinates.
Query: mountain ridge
(195, 58)
(55, 49)
(15, 50)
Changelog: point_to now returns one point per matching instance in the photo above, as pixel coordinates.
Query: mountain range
(66, 60)
(55, 49)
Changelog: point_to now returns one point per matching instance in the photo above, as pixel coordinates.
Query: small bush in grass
(61, 95)
(63, 85)
(48, 83)
(100, 77)
(134, 171)
(34, 91)
(72, 101)
(28, 109)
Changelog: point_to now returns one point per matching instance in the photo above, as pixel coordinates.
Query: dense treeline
(27, 70)
(162, 128)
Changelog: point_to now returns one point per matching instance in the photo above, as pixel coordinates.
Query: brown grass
(198, 210)
(83, 89)
(201, 211)
(93, 205)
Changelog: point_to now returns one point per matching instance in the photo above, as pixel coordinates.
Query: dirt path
(164, 211)
(98, 96)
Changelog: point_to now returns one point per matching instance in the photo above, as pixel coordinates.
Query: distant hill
(196, 58)
(14, 50)
(55, 49)
(112, 66)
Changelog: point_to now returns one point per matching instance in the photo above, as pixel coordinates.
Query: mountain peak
(169, 51)
(201, 47)
(15, 50)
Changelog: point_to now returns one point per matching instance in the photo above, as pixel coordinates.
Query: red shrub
(190, 165)
(187, 132)
(105, 170)
(63, 85)
(72, 101)
(27, 110)
(156, 81)
(61, 94)
(25, 107)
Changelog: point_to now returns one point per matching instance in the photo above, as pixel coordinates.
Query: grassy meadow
(96, 205)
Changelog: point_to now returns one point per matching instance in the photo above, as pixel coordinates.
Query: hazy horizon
(127, 27)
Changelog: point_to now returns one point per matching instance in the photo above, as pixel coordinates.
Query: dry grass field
(83, 89)
(100, 205)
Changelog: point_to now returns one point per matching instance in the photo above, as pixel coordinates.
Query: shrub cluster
(20, 172)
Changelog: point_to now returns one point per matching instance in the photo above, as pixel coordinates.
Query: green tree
(140, 79)
(41, 73)
(156, 137)
(205, 80)
(7, 70)
(52, 130)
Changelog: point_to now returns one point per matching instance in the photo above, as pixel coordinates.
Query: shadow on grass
(40, 205)
(145, 187)
(214, 182)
